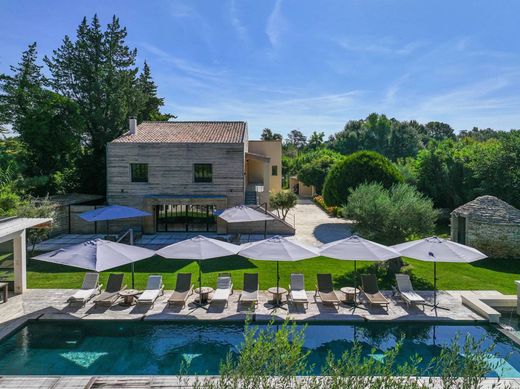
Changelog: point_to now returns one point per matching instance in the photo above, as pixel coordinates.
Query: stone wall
(494, 240)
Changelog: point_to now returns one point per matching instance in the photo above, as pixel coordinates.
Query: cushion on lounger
(221, 294)
(149, 295)
(299, 295)
(83, 294)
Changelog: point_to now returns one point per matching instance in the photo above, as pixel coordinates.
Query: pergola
(14, 229)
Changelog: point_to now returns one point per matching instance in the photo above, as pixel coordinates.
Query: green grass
(495, 274)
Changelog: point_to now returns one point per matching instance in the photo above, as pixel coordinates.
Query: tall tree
(296, 139)
(267, 134)
(316, 140)
(148, 104)
(98, 72)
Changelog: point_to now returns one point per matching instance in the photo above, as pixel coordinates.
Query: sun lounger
(406, 292)
(88, 290)
(183, 289)
(250, 292)
(111, 293)
(154, 288)
(224, 289)
(297, 293)
(371, 291)
(325, 289)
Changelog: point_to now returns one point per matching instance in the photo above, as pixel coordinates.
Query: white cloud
(276, 24)
(379, 46)
(237, 24)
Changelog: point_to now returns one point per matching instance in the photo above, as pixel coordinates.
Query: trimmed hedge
(358, 168)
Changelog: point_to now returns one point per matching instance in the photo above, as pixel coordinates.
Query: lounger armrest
(231, 287)
(122, 288)
(395, 291)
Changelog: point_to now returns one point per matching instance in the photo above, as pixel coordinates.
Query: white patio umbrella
(278, 249)
(244, 214)
(435, 250)
(355, 248)
(198, 248)
(97, 255)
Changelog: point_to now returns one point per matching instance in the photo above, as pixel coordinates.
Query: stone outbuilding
(488, 224)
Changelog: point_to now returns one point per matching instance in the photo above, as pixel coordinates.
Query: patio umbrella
(435, 250)
(112, 212)
(244, 214)
(355, 248)
(198, 248)
(97, 255)
(278, 249)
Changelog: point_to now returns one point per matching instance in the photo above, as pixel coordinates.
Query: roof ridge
(194, 121)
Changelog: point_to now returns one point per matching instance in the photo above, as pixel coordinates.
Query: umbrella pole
(435, 305)
(277, 276)
(355, 282)
(200, 284)
(133, 276)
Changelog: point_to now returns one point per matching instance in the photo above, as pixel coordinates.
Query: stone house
(182, 171)
(488, 224)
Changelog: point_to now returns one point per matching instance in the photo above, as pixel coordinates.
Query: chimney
(132, 125)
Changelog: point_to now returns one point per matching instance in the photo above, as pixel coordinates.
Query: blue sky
(309, 65)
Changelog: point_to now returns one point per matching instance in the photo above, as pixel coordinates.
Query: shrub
(333, 211)
(355, 169)
(314, 171)
(282, 202)
(390, 215)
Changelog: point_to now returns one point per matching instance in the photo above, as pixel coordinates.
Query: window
(139, 172)
(203, 172)
(274, 170)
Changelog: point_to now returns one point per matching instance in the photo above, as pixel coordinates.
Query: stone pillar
(20, 263)
(517, 297)
(267, 183)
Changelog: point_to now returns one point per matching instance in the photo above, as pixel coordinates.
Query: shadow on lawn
(501, 265)
(385, 277)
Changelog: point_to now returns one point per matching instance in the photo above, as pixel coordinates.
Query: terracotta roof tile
(186, 132)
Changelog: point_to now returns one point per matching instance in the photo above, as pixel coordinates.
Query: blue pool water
(140, 348)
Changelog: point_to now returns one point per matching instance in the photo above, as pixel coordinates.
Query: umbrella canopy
(242, 214)
(198, 248)
(278, 248)
(357, 248)
(435, 249)
(97, 255)
(112, 212)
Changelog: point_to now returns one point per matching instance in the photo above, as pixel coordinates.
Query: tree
(283, 202)
(267, 134)
(296, 139)
(38, 208)
(148, 108)
(389, 137)
(390, 215)
(437, 131)
(316, 140)
(355, 169)
(315, 171)
(98, 72)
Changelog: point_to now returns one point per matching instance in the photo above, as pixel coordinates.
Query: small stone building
(488, 224)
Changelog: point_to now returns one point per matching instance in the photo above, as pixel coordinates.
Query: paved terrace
(52, 304)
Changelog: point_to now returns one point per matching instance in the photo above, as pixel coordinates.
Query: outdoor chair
(183, 289)
(224, 289)
(154, 288)
(297, 293)
(371, 291)
(325, 289)
(89, 289)
(250, 292)
(406, 291)
(111, 293)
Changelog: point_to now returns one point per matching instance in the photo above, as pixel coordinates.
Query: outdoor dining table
(350, 294)
(277, 293)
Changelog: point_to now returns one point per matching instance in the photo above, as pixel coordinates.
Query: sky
(307, 65)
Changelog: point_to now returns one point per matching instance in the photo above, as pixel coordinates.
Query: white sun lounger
(154, 288)
(406, 292)
(297, 293)
(224, 290)
(88, 290)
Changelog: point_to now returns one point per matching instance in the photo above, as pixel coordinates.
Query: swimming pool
(85, 347)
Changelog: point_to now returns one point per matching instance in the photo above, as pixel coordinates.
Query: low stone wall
(495, 240)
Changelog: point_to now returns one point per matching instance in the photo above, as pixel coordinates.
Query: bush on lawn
(390, 215)
(332, 211)
(358, 168)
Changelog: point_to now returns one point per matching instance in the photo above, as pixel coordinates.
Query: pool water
(140, 348)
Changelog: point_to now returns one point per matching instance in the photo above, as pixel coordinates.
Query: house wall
(494, 240)
(170, 173)
(273, 150)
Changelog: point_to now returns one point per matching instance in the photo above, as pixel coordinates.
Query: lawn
(496, 274)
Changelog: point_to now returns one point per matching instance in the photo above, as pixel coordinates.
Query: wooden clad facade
(171, 175)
